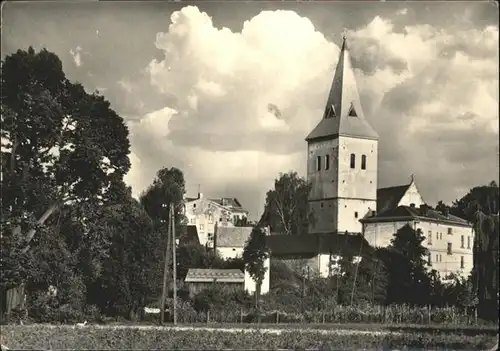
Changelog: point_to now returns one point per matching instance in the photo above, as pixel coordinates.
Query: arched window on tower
(363, 161)
(327, 162)
(353, 161)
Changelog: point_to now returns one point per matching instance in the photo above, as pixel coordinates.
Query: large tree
(255, 255)
(286, 209)
(168, 189)
(406, 262)
(59, 144)
(480, 206)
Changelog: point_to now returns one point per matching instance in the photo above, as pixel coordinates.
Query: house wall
(436, 241)
(411, 196)
(229, 252)
(195, 288)
(250, 285)
(342, 195)
(440, 260)
(205, 214)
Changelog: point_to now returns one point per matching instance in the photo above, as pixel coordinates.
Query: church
(351, 214)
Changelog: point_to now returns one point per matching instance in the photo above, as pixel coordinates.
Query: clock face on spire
(343, 114)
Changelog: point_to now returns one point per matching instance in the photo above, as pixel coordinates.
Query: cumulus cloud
(77, 57)
(237, 105)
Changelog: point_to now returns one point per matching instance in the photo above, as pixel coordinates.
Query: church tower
(342, 152)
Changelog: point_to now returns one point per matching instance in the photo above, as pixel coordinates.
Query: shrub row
(339, 314)
(45, 337)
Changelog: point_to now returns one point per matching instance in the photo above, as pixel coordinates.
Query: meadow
(57, 337)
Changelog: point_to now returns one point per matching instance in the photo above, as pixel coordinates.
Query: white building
(342, 167)
(206, 213)
(448, 238)
(230, 242)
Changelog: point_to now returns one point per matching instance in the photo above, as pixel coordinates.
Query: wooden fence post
(277, 317)
(208, 316)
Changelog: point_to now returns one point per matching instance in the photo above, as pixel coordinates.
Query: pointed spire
(348, 118)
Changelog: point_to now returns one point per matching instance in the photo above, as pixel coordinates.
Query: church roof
(232, 236)
(283, 245)
(388, 198)
(343, 114)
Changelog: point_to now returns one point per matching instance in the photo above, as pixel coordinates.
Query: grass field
(329, 337)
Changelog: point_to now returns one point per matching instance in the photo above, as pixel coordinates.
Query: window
(194, 205)
(352, 112)
(449, 249)
(468, 242)
(318, 163)
(462, 240)
(363, 161)
(355, 214)
(429, 240)
(321, 205)
(327, 162)
(440, 236)
(210, 218)
(202, 228)
(450, 231)
(429, 260)
(437, 236)
(193, 220)
(462, 262)
(330, 112)
(220, 219)
(437, 258)
(353, 161)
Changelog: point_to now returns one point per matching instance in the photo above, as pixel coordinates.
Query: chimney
(423, 210)
(412, 205)
(446, 212)
(200, 195)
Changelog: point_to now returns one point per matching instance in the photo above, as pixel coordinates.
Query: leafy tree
(441, 206)
(405, 261)
(360, 282)
(286, 209)
(130, 274)
(59, 143)
(255, 255)
(168, 188)
(480, 206)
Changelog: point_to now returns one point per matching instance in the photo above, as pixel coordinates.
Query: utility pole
(165, 269)
(174, 263)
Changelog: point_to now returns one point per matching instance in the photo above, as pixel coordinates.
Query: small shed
(198, 279)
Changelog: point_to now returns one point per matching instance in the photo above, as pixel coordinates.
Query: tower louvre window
(330, 112)
(327, 162)
(352, 111)
(318, 163)
(353, 161)
(363, 161)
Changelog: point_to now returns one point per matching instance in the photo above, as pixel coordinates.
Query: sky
(194, 82)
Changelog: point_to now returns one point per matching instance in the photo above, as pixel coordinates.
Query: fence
(339, 314)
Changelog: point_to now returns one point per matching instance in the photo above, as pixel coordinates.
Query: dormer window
(352, 111)
(330, 112)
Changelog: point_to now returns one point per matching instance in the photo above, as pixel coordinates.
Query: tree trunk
(41, 221)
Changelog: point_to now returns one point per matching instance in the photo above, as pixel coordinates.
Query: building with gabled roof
(342, 167)
(205, 213)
